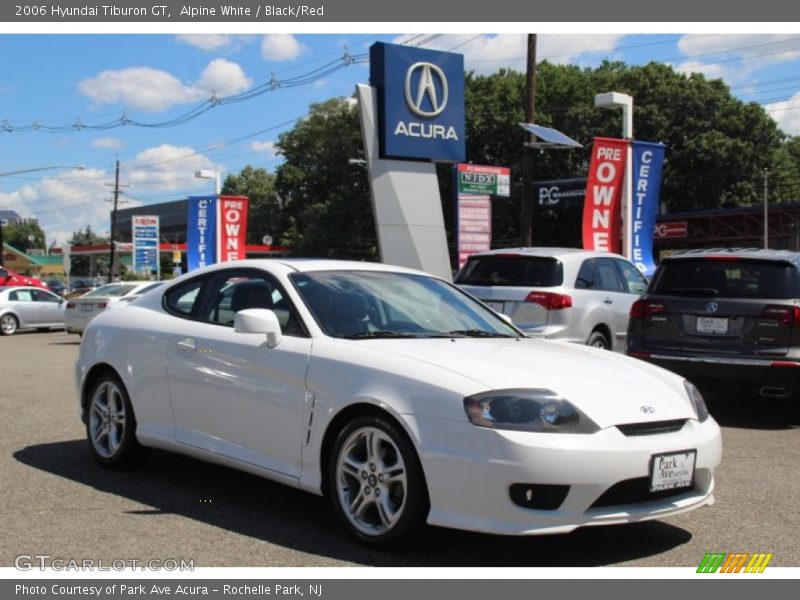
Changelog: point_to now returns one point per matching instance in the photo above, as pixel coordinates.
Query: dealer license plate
(495, 306)
(87, 307)
(672, 471)
(715, 325)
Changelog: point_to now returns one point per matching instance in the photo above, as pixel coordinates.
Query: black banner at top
(333, 11)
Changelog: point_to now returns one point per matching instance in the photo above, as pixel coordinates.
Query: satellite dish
(267, 239)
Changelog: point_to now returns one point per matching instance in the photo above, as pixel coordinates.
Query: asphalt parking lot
(55, 500)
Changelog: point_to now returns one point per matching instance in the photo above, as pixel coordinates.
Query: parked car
(9, 278)
(79, 287)
(84, 308)
(397, 395)
(558, 293)
(57, 286)
(29, 308)
(726, 319)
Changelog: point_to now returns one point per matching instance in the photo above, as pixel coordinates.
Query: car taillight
(550, 300)
(788, 315)
(71, 305)
(641, 309)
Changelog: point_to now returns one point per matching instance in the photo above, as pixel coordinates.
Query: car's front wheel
(111, 425)
(376, 483)
(8, 324)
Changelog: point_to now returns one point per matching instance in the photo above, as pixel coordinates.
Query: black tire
(409, 499)
(598, 340)
(118, 448)
(8, 324)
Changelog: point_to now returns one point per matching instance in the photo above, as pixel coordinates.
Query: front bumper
(470, 470)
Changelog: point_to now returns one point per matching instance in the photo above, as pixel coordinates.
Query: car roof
(547, 252)
(750, 253)
(290, 265)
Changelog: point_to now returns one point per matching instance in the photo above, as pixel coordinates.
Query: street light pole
(766, 211)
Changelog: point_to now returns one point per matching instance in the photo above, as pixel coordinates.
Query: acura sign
(421, 102)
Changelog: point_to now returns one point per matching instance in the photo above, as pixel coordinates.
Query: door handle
(187, 344)
(608, 301)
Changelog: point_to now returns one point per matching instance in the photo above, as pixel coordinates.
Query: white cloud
(166, 168)
(281, 47)
(267, 147)
(787, 114)
(110, 143)
(153, 90)
(489, 53)
(735, 57)
(206, 41)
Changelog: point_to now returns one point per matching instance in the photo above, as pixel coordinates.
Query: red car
(9, 277)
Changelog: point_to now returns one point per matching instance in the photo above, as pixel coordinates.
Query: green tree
(80, 264)
(325, 200)
(265, 216)
(25, 236)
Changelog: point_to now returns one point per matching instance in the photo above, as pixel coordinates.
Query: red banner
(601, 209)
(232, 219)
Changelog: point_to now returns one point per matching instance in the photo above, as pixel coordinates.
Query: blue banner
(201, 232)
(648, 159)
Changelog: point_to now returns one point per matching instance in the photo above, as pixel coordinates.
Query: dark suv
(724, 319)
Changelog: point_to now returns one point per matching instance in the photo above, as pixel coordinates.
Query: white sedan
(398, 396)
(29, 308)
(84, 308)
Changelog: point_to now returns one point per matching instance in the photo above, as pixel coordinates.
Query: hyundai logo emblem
(648, 410)
(426, 88)
(712, 307)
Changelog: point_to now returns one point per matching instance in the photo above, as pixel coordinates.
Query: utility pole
(766, 212)
(526, 206)
(117, 192)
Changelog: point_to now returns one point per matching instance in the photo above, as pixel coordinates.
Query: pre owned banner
(201, 232)
(232, 228)
(648, 159)
(601, 216)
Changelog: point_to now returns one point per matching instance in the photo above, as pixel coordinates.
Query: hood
(609, 388)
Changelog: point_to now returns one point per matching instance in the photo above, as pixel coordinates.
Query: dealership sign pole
(146, 245)
(474, 187)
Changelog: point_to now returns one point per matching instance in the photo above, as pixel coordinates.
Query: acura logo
(712, 307)
(648, 410)
(426, 88)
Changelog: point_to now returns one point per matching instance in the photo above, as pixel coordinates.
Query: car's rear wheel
(8, 324)
(598, 340)
(111, 425)
(376, 483)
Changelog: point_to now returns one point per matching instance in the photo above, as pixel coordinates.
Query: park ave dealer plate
(672, 471)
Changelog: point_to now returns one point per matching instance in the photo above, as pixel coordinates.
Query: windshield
(512, 270)
(370, 304)
(111, 289)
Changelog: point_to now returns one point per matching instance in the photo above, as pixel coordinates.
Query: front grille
(652, 428)
(634, 491)
(538, 496)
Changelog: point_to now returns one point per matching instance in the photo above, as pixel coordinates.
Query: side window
(586, 276)
(607, 277)
(21, 296)
(182, 300)
(635, 282)
(43, 296)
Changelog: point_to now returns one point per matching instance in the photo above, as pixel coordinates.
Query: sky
(79, 83)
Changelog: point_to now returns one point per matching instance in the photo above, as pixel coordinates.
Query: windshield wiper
(381, 333)
(476, 333)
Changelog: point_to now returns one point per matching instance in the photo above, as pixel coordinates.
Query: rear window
(112, 289)
(528, 271)
(726, 278)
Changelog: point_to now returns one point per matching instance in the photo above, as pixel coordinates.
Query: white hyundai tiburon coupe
(398, 396)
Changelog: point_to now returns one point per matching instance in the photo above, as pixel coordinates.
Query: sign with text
(145, 245)
(420, 102)
(560, 193)
(232, 228)
(473, 226)
(601, 214)
(201, 232)
(648, 159)
(483, 180)
(675, 229)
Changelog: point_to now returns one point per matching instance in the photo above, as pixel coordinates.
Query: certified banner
(201, 232)
(648, 159)
(232, 228)
(146, 245)
(601, 214)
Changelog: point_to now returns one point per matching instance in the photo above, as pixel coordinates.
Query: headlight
(527, 410)
(697, 400)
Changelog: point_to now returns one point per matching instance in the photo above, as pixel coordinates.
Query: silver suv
(558, 293)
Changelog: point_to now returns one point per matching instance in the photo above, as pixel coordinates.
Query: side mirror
(259, 320)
